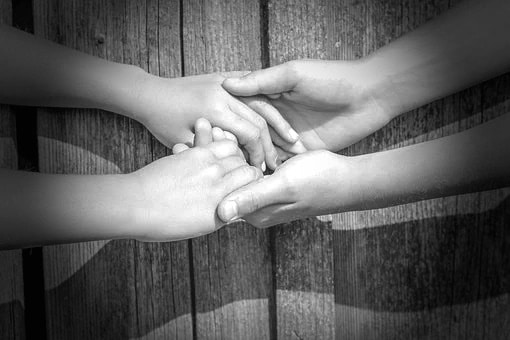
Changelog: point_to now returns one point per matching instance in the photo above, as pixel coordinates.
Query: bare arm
(170, 199)
(37, 72)
(321, 182)
(333, 104)
(474, 160)
(38, 209)
(460, 48)
(41, 73)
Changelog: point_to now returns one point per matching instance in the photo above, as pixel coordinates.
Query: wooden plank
(232, 267)
(304, 253)
(12, 316)
(118, 289)
(433, 269)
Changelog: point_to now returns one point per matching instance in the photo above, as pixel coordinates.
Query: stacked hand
(310, 184)
(331, 104)
(181, 192)
(170, 107)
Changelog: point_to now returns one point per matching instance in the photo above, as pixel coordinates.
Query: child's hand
(170, 107)
(181, 192)
(310, 184)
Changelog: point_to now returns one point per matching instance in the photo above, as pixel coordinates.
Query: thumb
(271, 80)
(250, 198)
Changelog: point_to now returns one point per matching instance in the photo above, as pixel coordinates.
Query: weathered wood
(118, 289)
(304, 253)
(12, 317)
(232, 267)
(433, 269)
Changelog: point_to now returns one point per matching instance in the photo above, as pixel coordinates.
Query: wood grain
(119, 289)
(304, 252)
(433, 269)
(12, 317)
(232, 267)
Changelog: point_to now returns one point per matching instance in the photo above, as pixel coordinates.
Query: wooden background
(433, 269)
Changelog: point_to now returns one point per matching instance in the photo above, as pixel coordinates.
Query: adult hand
(170, 107)
(180, 193)
(331, 104)
(310, 184)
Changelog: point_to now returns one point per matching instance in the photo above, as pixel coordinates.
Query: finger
(232, 162)
(271, 80)
(240, 177)
(203, 132)
(230, 136)
(217, 134)
(272, 116)
(295, 148)
(274, 96)
(187, 138)
(273, 215)
(283, 155)
(270, 154)
(252, 197)
(224, 149)
(178, 148)
(248, 134)
(234, 74)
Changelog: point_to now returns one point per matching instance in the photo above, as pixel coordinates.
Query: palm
(331, 126)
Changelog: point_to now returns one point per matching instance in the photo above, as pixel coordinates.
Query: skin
(40, 73)
(321, 182)
(333, 104)
(170, 199)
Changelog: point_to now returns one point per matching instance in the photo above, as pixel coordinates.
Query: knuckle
(214, 171)
(204, 153)
(261, 122)
(250, 172)
(253, 135)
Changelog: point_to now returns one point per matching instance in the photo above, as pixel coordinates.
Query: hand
(310, 184)
(181, 192)
(331, 104)
(170, 107)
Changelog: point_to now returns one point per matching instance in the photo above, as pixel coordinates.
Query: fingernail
(263, 166)
(230, 210)
(293, 135)
(298, 147)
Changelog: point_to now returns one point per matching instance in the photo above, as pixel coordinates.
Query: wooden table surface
(432, 269)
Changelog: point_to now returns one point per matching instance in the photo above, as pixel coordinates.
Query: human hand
(170, 107)
(181, 192)
(310, 184)
(331, 104)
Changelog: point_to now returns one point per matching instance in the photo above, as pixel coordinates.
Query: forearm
(37, 209)
(36, 72)
(462, 47)
(475, 160)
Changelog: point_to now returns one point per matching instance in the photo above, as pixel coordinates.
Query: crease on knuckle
(253, 136)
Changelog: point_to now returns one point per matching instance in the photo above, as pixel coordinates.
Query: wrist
(384, 85)
(127, 206)
(123, 90)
